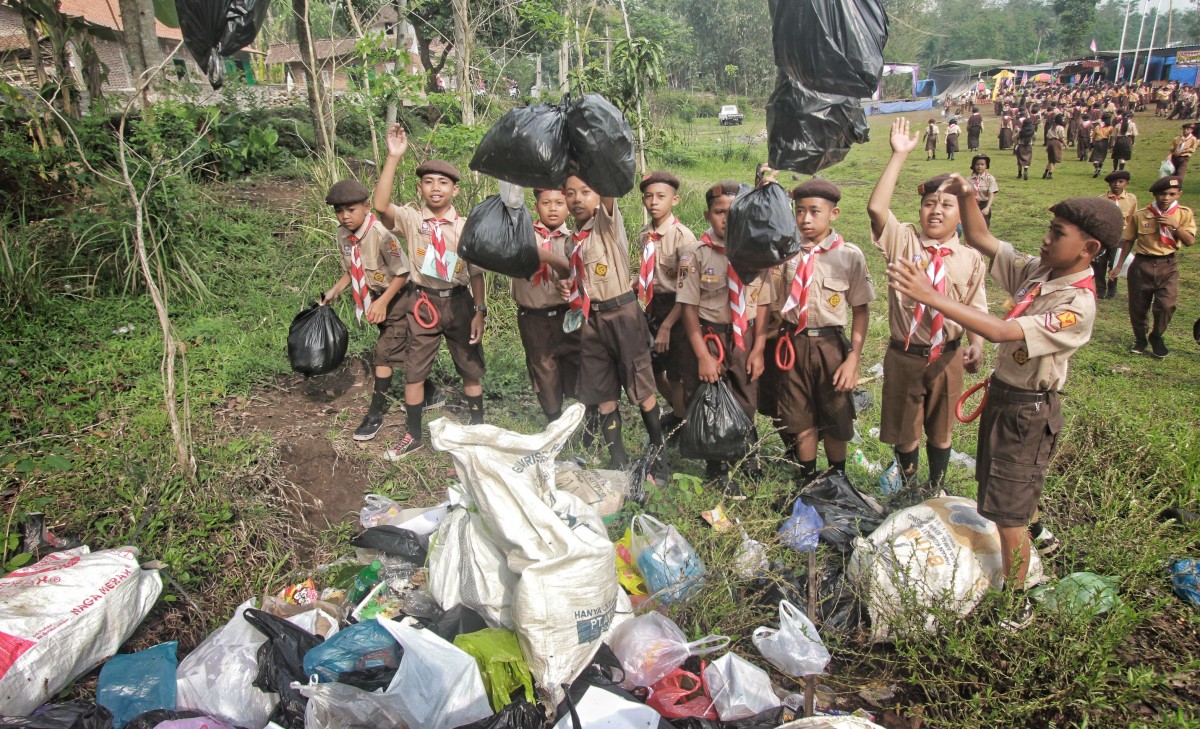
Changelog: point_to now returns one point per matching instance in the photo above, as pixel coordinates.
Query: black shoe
(1139, 347)
(1026, 173)
(369, 427)
(1158, 348)
(404, 449)
(1110, 291)
(1096, 174)
(1049, 175)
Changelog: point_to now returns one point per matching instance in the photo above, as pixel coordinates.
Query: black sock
(808, 469)
(839, 466)
(908, 464)
(1035, 529)
(939, 460)
(475, 408)
(653, 426)
(413, 416)
(610, 426)
(379, 396)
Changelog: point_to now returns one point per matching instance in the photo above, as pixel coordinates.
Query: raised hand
(902, 143)
(397, 141)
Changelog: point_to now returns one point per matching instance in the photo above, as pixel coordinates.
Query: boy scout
(923, 372)
(614, 345)
(551, 354)
(1182, 149)
(1127, 203)
(662, 240)
(448, 296)
(817, 293)
(717, 302)
(1154, 233)
(377, 270)
(1053, 316)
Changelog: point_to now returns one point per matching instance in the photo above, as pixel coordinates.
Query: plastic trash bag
(359, 647)
(134, 683)
(627, 572)
(527, 147)
(216, 677)
(802, 530)
(846, 511)
(407, 545)
(1185, 580)
(668, 563)
(681, 694)
(501, 665)
(651, 646)
(77, 715)
(717, 427)
(456, 621)
(377, 509)
(317, 341)
(438, 685)
(194, 722)
(152, 719)
(500, 238)
(281, 663)
(808, 131)
(338, 706)
(1166, 168)
(739, 688)
(835, 46)
(796, 647)
(602, 708)
(520, 714)
(761, 231)
(1082, 593)
(215, 28)
(601, 143)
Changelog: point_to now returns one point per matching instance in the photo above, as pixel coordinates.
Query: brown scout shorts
(454, 323)
(917, 397)
(392, 346)
(806, 397)
(1017, 434)
(660, 308)
(551, 355)
(733, 369)
(614, 353)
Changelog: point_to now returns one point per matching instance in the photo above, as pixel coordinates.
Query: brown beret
(347, 192)
(1118, 175)
(439, 167)
(817, 188)
(1163, 184)
(932, 184)
(1095, 216)
(655, 178)
(983, 157)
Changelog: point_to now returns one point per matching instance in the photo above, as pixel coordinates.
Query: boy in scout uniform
(662, 240)
(1127, 203)
(448, 296)
(376, 270)
(1053, 316)
(614, 345)
(1154, 233)
(1182, 149)
(923, 367)
(817, 293)
(717, 302)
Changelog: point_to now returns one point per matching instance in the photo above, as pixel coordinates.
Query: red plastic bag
(681, 694)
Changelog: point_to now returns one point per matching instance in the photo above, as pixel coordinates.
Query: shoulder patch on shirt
(685, 258)
(1056, 321)
(1021, 356)
(394, 247)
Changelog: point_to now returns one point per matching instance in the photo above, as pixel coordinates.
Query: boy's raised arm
(881, 196)
(397, 145)
(975, 228)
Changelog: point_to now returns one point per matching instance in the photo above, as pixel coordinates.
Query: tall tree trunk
(462, 41)
(141, 38)
(35, 49)
(312, 73)
(400, 38)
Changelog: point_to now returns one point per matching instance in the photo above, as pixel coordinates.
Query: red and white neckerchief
(1088, 284)
(579, 299)
(439, 246)
(649, 262)
(545, 236)
(936, 271)
(1166, 236)
(798, 295)
(737, 295)
(358, 275)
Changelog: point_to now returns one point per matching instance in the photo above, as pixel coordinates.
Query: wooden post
(810, 681)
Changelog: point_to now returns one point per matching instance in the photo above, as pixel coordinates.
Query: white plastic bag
(739, 688)
(438, 685)
(650, 646)
(63, 616)
(600, 709)
(377, 509)
(216, 678)
(796, 647)
(339, 706)
(668, 562)
(1166, 168)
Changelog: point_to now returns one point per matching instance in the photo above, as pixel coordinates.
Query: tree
(1075, 19)
(319, 101)
(141, 37)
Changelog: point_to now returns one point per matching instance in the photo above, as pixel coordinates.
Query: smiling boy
(1127, 203)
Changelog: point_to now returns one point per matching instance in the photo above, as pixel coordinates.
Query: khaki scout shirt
(605, 255)
(415, 228)
(965, 274)
(1126, 201)
(1057, 322)
(1142, 229)
(840, 282)
(675, 237)
(704, 281)
(1184, 146)
(382, 257)
(544, 295)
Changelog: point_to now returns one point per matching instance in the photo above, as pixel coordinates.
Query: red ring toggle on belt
(423, 300)
(958, 408)
(720, 345)
(785, 352)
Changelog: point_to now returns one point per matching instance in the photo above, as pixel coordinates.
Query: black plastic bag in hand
(76, 715)
(500, 239)
(716, 426)
(835, 46)
(520, 714)
(280, 662)
(601, 145)
(317, 341)
(761, 231)
(845, 510)
(527, 147)
(215, 28)
(808, 131)
(403, 543)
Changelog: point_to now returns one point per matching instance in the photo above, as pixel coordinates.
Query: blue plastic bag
(802, 530)
(1185, 579)
(134, 683)
(364, 646)
(667, 561)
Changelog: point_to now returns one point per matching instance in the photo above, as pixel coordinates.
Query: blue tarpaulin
(896, 107)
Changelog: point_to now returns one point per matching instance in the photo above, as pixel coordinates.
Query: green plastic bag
(500, 662)
(1083, 593)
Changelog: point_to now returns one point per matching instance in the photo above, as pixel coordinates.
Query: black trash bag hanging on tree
(527, 147)
(215, 28)
(761, 231)
(808, 131)
(831, 46)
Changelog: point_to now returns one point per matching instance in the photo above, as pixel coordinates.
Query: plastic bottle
(367, 578)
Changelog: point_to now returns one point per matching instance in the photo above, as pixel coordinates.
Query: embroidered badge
(1021, 356)
(672, 273)
(425, 229)
(421, 252)
(346, 249)
(1058, 322)
(835, 300)
(601, 269)
(685, 258)
(378, 276)
(394, 247)
(458, 268)
(709, 277)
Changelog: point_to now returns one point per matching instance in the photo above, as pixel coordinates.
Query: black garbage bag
(403, 543)
(76, 715)
(370, 679)
(601, 145)
(520, 714)
(835, 46)
(808, 131)
(500, 239)
(717, 428)
(845, 510)
(838, 606)
(527, 147)
(154, 717)
(280, 662)
(317, 341)
(215, 28)
(761, 231)
(456, 621)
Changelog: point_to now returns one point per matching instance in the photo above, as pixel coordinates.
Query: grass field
(83, 438)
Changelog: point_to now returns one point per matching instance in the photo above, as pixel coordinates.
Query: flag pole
(1121, 52)
(1153, 33)
(1141, 28)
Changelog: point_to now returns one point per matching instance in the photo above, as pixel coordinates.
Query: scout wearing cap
(347, 192)
(1127, 203)
(816, 187)
(1163, 184)
(653, 178)
(985, 186)
(1182, 149)
(439, 167)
